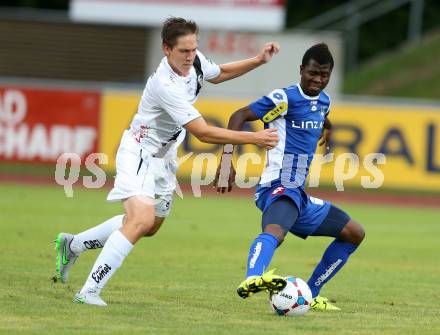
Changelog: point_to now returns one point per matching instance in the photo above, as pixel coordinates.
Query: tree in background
(382, 34)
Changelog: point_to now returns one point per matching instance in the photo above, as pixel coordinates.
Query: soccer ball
(294, 299)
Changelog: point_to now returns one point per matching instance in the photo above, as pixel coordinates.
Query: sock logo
(327, 273)
(101, 272)
(254, 258)
(93, 244)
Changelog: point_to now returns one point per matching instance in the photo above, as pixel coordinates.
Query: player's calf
(139, 219)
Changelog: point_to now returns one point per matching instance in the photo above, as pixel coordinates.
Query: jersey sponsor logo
(278, 190)
(274, 113)
(307, 124)
(101, 272)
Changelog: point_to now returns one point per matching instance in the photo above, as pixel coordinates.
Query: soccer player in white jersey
(146, 158)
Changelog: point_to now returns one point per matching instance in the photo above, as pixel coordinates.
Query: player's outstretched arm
(235, 69)
(266, 138)
(225, 175)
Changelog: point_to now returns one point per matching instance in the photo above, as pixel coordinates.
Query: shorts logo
(316, 201)
(274, 113)
(278, 190)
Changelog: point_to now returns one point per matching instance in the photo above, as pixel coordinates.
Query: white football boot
(89, 297)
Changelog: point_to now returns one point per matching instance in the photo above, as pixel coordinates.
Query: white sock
(108, 261)
(95, 238)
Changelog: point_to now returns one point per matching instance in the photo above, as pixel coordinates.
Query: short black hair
(319, 53)
(174, 27)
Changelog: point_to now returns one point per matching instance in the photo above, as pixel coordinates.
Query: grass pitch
(183, 280)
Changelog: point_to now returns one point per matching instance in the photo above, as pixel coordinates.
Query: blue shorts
(312, 212)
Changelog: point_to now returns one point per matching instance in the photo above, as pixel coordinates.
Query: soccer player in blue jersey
(300, 113)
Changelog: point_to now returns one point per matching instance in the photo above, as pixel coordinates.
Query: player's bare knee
(140, 222)
(359, 233)
(353, 232)
(277, 231)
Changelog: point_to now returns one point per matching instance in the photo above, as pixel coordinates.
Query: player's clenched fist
(267, 138)
(269, 49)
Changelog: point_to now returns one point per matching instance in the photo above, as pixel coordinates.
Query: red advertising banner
(38, 125)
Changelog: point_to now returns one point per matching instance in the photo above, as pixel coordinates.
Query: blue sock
(260, 254)
(332, 261)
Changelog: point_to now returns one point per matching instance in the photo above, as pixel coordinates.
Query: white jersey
(166, 105)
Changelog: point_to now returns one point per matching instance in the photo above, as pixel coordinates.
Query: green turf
(183, 281)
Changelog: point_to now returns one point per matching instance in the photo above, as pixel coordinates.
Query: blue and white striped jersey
(299, 119)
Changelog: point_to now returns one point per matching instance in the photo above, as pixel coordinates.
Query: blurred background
(72, 72)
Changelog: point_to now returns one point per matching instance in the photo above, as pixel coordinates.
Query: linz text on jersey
(307, 124)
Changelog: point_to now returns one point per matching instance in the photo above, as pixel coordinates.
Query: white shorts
(138, 173)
